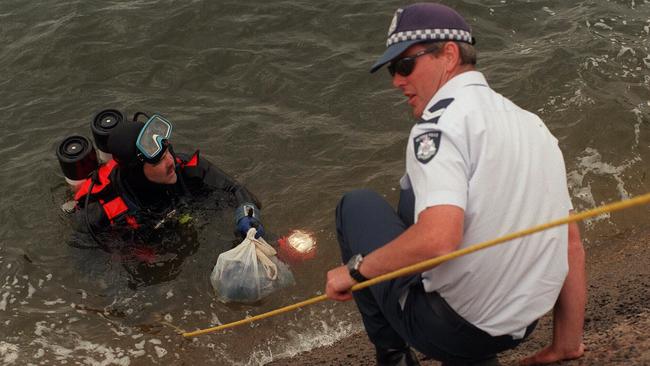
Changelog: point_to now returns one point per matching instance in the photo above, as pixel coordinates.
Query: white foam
(298, 343)
(30, 290)
(591, 162)
(111, 356)
(40, 328)
(625, 50)
(117, 332)
(161, 352)
(53, 302)
(548, 10)
(170, 294)
(637, 126)
(85, 352)
(8, 353)
(602, 25)
(61, 352)
(3, 302)
(137, 354)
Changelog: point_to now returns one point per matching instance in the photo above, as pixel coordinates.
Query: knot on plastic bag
(263, 251)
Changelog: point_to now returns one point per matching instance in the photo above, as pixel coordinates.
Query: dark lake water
(277, 93)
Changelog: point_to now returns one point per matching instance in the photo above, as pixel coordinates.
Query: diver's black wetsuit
(124, 203)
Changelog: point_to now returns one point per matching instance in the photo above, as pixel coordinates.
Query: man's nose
(169, 159)
(399, 80)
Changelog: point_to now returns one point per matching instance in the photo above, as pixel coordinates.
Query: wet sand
(617, 322)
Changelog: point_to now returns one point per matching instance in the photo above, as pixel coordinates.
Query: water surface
(277, 93)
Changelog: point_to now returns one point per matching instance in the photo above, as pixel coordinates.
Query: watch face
(354, 262)
(353, 267)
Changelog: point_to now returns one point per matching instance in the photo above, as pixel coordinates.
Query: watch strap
(358, 276)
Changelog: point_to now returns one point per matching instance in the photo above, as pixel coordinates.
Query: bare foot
(549, 355)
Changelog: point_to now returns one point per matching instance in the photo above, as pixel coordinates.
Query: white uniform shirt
(477, 150)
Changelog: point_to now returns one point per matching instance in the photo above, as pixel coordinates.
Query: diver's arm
(198, 173)
(218, 179)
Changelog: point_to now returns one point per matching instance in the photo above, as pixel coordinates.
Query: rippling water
(278, 93)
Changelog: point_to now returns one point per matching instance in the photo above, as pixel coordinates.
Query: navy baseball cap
(423, 22)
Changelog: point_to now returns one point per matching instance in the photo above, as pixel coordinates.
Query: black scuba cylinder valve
(102, 126)
(77, 158)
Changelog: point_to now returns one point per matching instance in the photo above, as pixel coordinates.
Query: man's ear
(451, 53)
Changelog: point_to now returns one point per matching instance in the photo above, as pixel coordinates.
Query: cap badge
(393, 23)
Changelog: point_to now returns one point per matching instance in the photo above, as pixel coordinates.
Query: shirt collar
(450, 89)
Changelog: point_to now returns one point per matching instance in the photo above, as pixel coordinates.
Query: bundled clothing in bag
(249, 272)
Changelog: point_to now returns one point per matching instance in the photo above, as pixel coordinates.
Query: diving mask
(153, 139)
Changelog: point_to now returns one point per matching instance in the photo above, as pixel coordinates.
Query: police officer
(147, 185)
(477, 167)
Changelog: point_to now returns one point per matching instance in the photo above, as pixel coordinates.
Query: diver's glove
(247, 216)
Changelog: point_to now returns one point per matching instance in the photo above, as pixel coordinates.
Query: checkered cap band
(430, 35)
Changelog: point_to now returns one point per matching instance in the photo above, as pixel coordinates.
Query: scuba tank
(76, 154)
(101, 127)
(77, 158)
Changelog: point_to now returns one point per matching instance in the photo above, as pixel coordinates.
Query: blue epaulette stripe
(437, 110)
(441, 104)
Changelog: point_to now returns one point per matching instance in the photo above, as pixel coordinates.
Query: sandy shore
(617, 324)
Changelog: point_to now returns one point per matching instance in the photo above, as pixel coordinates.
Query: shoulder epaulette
(433, 114)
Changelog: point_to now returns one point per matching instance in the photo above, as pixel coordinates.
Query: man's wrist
(354, 266)
(247, 209)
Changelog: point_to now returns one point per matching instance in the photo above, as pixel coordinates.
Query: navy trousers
(365, 222)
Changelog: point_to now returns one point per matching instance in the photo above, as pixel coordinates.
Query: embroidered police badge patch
(426, 146)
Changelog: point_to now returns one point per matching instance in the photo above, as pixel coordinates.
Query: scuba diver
(130, 203)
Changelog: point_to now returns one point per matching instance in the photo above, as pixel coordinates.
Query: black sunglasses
(405, 65)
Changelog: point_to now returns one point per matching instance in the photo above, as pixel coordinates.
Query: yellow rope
(428, 264)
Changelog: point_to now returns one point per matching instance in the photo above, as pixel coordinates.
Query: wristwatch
(353, 266)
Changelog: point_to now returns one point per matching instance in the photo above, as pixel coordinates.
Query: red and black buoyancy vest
(191, 163)
(112, 203)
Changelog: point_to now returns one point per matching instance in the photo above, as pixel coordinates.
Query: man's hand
(339, 284)
(245, 223)
(247, 216)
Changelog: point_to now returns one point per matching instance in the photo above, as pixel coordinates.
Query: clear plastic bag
(249, 272)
